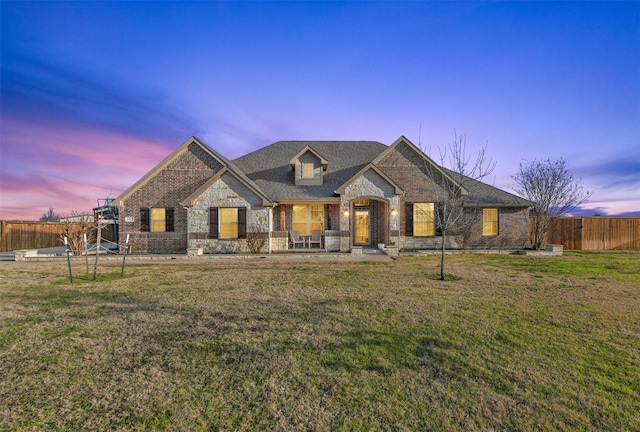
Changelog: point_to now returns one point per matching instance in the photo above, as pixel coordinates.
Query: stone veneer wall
(369, 185)
(433, 242)
(227, 191)
(279, 241)
(167, 188)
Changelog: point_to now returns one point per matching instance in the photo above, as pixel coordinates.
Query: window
(307, 218)
(490, 221)
(307, 170)
(423, 219)
(227, 222)
(156, 219)
(419, 219)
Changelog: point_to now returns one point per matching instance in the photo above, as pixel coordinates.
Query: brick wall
(411, 173)
(167, 188)
(512, 230)
(415, 177)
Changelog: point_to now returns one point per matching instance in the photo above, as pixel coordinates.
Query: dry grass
(514, 343)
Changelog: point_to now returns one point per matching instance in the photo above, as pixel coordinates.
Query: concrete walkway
(58, 254)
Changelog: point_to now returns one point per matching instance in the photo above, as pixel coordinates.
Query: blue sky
(94, 94)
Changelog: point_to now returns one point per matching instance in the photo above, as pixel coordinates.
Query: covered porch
(369, 222)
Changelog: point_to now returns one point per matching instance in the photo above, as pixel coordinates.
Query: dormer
(308, 167)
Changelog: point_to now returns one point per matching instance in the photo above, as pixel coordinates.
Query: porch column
(345, 225)
(394, 221)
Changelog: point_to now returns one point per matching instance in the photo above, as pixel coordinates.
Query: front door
(362, 227)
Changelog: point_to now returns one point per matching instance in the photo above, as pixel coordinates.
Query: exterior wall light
(346, 213)
(394, 212)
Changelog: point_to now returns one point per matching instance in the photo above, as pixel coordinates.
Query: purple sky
(94, 94)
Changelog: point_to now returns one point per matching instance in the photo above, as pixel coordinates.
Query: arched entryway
(370, 221)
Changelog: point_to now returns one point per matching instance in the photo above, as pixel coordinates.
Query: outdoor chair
(316, 237)
(295, 239)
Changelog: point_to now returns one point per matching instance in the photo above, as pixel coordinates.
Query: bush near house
(511, 343)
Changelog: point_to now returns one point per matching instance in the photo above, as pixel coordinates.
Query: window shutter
(438, 217)
(213, 222)
(169, 224)
(408, 229)
(144, 219)
(242, 222)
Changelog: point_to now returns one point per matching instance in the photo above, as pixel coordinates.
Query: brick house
(355, 193)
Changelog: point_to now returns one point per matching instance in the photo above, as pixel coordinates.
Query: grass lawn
(511, 343)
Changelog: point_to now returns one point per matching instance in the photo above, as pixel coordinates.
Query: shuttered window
(227, 222)
(162, 219)
(157, 219)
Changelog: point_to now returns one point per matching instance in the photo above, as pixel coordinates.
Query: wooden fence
(587, 233)
(16, 235)
(594, 233)
(29, 235)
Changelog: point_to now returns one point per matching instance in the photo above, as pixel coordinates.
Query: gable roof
(270, 167)
(397, 189)
(268, 173)
(430, 162)
(323, 161)
(477, 193)
(188, 202)
(173, 156)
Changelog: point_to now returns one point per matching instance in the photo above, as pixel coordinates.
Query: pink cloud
(46, 165)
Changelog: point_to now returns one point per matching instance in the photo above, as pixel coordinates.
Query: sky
(95, 94)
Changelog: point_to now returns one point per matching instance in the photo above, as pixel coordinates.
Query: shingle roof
(484, 195)
(269, 167)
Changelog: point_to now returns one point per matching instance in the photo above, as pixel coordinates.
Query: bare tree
(452, 186)
(50, 216)
(75, 228)
(553, 190)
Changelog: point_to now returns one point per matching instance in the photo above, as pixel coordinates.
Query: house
(355, 193)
